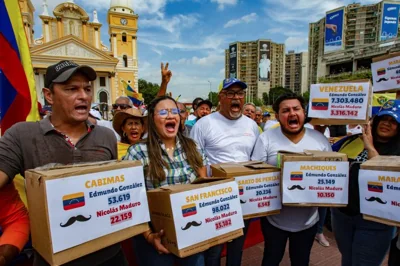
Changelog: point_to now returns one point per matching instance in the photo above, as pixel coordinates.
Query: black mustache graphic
(296, 187)
(376, 199)
(242, 201)
(382, 79)
(73, 219)
(190, 224)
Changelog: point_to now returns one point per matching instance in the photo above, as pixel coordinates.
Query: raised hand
(166, 74)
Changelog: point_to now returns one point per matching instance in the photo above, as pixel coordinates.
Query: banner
(379, 99)
(390, 21)
(233, 61)
(334, 31)
(339, 101)
(260, 193)
(206, 213)
(315, 182)
(386, 74)
(86, 207)
(379, 194)
(264, 61)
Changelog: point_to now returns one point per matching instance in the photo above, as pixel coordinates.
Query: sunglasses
(121, 106)
(173, 111)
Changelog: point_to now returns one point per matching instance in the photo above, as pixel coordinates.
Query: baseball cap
(392, 108)
(196, 102)
(232, 81)
(266, 114)
(63, 70)
(96, 114)
(209, 103)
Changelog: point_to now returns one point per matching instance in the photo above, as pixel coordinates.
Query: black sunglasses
(121, 106)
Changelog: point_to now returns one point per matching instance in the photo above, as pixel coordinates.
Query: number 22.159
(122, 217)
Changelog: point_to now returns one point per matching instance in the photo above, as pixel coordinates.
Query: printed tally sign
(339, 101)
(315, 182)
(380, 194)
(386, 74)
(86, 207)
(205, 213)
(260, 193)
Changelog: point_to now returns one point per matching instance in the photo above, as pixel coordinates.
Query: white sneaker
(322, 240)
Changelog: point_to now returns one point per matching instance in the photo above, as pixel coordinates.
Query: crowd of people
(176, 148)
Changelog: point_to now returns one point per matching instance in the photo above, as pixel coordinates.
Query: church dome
(123, 6)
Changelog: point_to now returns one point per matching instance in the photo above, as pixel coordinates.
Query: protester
(259, 114)
(194, 106)
(268, 123)
(184, 116)
(130, 126)
(169, 159)
(298, 224)
(14, 224)
(227, 136)
(363, 242)
(203, 109)
(249, 110)
(65, 137)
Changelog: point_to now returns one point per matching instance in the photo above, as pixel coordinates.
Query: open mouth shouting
(82, 109)
(134, 134)
(293, 123)
(171, 127)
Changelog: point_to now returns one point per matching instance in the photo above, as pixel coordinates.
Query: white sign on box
(339, 101)
(86, 207)
(260, 193)
(386, 74)
(315, 182)
(205, 213)
(380, 194)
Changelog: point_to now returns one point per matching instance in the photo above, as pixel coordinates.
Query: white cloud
(286, 31)
(209, 60)
(222, 71)
(296, 43)
(245, 19)
(156, 51)
(172, 25)
(223, 3)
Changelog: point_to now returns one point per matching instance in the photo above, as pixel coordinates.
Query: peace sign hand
(165, 73)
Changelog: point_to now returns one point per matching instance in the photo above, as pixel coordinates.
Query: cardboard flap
(202, 180)
(244, 167)
(383, 162)
(186, 187)
(323, 153)
(261, 166)
(57, 171)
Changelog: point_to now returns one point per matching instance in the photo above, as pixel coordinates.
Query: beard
(292, 133)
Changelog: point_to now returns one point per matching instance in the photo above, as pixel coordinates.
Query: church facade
(70, 34)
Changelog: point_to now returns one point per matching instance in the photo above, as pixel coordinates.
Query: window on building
(103, 97)
(124, 37)
(102, 81)
(125, 58)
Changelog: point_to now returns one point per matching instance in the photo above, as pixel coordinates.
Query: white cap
(96, 114)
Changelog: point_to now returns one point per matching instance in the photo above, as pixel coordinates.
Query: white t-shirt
(192, 117)
(354, 131)
(327, 132)
(108, 124)
(269, 124)
(225, 140)
(292, 219)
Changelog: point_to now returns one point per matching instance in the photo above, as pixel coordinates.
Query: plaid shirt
(178, 172)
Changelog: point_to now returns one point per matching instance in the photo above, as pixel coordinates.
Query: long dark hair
(392, 147)
(156, 163)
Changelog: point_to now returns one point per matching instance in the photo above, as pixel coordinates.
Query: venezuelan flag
(375, 187)
(73, 201)
(296, 176)
(321, 104)
(189, 210)
(18, 100)
(379, 99)
(135, 97)
(241, 191)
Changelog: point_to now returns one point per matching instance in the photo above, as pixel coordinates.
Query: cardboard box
(340, 103)
(77, 210)
(379, 186)
(314, 178)
(259, 186)
(196, 217)
(384, 70)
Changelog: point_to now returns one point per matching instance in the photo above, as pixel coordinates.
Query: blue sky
(192, 34)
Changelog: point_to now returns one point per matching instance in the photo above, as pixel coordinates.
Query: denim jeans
(300, 244)
(361, 242)
(233, 253)
(322, 215)
(147, 255)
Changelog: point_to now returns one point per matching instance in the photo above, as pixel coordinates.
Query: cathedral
(69, 33)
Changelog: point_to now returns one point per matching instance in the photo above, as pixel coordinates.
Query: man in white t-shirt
(227, 136)
(298, 224)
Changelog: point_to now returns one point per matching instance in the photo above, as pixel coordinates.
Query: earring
(124, 134)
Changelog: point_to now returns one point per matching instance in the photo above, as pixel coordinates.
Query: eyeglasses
(121, 106)
(182, 111)
(231, 94)
(164, 112)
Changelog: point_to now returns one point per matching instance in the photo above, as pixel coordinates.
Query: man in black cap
(203, 109)
(64, 137)
(194, 106)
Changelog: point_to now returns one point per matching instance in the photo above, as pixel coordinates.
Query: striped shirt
(178, 171)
